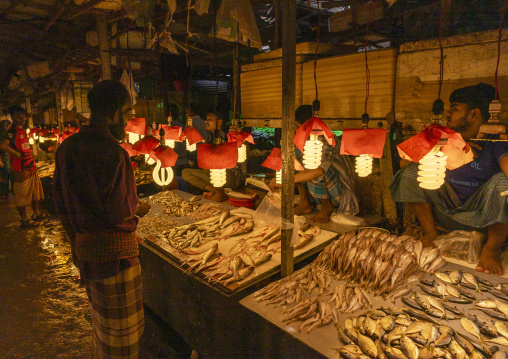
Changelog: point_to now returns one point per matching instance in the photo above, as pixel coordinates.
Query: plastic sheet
(347, 219)
(268, 212)
(461, 245)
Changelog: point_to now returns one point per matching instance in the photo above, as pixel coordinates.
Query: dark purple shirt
(94, 184)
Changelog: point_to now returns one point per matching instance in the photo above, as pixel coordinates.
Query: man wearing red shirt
(27, 185)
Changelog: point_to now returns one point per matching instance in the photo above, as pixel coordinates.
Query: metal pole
(288, 128)
(102, 29)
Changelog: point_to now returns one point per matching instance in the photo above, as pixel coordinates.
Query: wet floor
(44, 312)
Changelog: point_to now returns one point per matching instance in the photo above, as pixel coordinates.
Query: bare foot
(323, 216)
(207, 195)
(217, 196)
(428, 240)
(490, 261)
(303, 207)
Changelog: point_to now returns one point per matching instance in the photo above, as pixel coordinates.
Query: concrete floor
(44, 312)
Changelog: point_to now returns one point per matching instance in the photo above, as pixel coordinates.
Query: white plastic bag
(347, 220)
(461, 245)
(128, 81)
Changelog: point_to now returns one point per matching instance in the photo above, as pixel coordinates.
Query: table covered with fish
(224, 246)
(370, 294)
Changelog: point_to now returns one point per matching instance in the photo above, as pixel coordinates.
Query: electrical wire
(366, 48)
(502, 10)
(441, 62)
(317, 47)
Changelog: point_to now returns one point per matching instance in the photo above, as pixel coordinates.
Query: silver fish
(408, 347)
(503, 307)
(471, 327)
(470, 278)
(500, 354)
(387, 323)
(443, 276)
(456, 276)
(501, 328)
(436, 304)
(457, 351)
(367, 345)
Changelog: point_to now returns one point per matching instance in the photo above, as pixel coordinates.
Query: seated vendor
(331, 184)
(200, 178)
(472, 195)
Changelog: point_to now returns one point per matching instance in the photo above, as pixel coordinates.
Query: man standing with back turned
(95, 196)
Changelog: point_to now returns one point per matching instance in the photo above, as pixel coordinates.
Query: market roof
(47, 41)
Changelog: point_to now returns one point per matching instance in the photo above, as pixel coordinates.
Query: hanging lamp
(274, 162)
(307, 141)
(192, 136)
(217, 157)
(240, 137)
(135, 129)
(166, 158)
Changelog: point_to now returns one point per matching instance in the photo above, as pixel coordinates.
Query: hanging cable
(317, 47)
(502, 11)
(366, 48)
(441, 62)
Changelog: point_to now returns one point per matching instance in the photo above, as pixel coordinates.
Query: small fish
(451, 290)
(444, 277)
(501, 328)
(440, 288)
(500, 354)
(494, 314)
(430, 291)
(367, 345)
(393, 353)
(408, 347)
(445, 338)
(471, 278)
(437, 304)
(457, 351)
(484, 281)
(471, 327)
(411, 303)
(429, 332)
(486, 303)
(452, 309)
(421, 317)
(427, 282)
(459, 300)
(485, 326)
(455, 277)
(387, 323)
(503, 307)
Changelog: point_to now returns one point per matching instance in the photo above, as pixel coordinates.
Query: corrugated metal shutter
(341, 86)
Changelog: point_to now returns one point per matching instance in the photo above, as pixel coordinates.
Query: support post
(276, 8)
(236, 84)
(58, 113)
(288, 129)
(102, 29)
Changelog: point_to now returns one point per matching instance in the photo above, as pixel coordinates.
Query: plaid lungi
(117, 314)
(482, 209)
(329, 187)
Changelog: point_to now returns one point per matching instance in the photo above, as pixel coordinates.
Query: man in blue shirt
(472, 196)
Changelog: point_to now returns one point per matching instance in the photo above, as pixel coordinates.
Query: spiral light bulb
(31, 141)
(170, 143)
(363, 165)
(218, 177)
(312, 152)
(27, 130)
(431, 171)
(149, 160)
(41, 139)
(133, 138)
(190, 147)
(162, 176)
(278, 177)
(242, 154)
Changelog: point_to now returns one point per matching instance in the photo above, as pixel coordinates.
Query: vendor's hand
(233, 128)
(273, 185)
(504, 194)
(143, 209)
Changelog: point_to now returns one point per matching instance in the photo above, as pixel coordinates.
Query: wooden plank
(333, 124)
(385, 163)
(288, 129)
(102, 29)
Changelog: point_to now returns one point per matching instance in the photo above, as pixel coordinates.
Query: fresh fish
(486, 303)
(499, 340)
(393, 353)
(501, 328)
(452, 309)
(484, 281)
(464, 342)
(441, 353)
(395, 334)
(411, 303)
(387, 323)
(455, 276)
(451, 290)
(427, 282)
(500, 354)
(471, 327)
(369, 325)
(443, 276)
(499, 295)
(459, 300)
(494, 314)
(440, 288)
(421, 317)
(422, 301)
(503, 307)
(437, 304)
(466, 294)
(485, 326)
(415, 327)
(430, 291)
(343, 337)
(367, 345)
(457, 351)
(429, 332)
(408, 347)
(471, 278)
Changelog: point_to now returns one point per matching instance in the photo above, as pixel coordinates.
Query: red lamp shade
(43, 132)
(136, 125)
(146, 144)
(458, 151)
(217, 156)
(239, 137)
(368, 141)
(192, 135)
(128, 147)
(314, 123)
(166, 155)
(274, 161)
(56, 131)
(171, 132)
(63, 136)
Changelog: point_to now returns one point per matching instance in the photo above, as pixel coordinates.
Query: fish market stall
(436, 309)
(200, 258)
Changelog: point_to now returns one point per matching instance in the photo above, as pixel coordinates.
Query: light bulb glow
(363, 165)
(162, 176)
(35, 136)
(312, 152)
(218, 177)
(132, 137)
(31, 141)
(278, 177)
(149, 159)
(170, 143)
(41, 139)
(27, 130)
(431, 169)
(190, 147)
(242, 154)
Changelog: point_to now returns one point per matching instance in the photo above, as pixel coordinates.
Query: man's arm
(4, 146)
(504, 165)
(303, 176)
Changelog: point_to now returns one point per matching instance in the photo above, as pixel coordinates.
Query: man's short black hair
(478, 96)
(107, 97)
(303, 113)
(16, 108)
(194, 107)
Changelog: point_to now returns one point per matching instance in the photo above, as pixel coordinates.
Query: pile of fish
(207, 210)
(400, 333)
(379, 261)
(158, 225)
(143, 177)
(218, 227)
(166, 198)
(182, 208)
